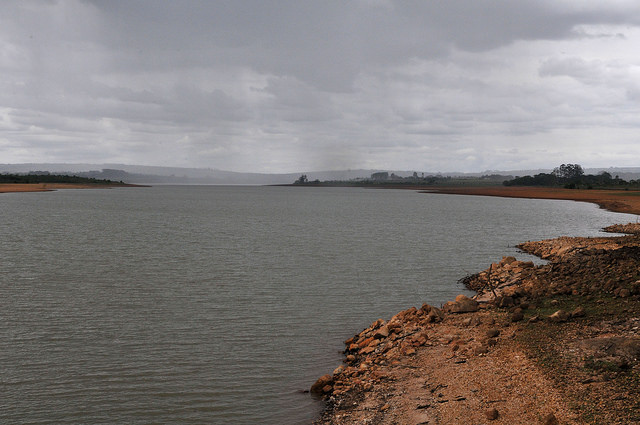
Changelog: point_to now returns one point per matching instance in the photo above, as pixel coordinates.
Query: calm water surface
(201, 304)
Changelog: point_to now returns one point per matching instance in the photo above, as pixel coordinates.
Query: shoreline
(622, 201)
(557, 343)
(615, 200)
(49, 187)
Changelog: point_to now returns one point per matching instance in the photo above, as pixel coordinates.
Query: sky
(288, 86)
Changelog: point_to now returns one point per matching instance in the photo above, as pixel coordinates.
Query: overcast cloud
(284, 86)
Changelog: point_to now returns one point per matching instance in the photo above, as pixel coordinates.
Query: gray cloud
(297, 85)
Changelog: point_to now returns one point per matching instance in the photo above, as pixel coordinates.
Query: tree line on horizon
(572, 176)
(46, 177)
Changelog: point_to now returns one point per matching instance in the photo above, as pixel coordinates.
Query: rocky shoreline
(557, 343)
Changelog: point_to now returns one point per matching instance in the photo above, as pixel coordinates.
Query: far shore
(48, 187)
(622, 201)
(615, 200)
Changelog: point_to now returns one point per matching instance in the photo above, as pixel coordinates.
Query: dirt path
(457, 377)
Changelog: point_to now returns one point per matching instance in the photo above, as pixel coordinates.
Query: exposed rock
(492, 333)
(593, 268)
(462, 304)
(491, 414)
(578, 312)
(505, 302)
(517, 315)
(322, 385)
(624, 293)
(481, 349)
(381, 333)
(559, 316)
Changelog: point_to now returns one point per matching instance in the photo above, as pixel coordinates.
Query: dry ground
(624, 201)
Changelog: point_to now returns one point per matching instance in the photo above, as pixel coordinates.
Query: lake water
(218, 305)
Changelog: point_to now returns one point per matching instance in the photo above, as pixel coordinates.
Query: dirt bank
(47, 187)
(557, 343)
(624, 201)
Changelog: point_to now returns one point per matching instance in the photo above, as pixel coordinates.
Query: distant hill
(176, 175)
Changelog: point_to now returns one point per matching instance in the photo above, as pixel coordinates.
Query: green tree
(302, 179)
(568, 172)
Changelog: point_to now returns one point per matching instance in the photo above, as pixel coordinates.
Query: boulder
(507, 260)
(381, 332)
(320, 386)
(462, 304)
(435, 315)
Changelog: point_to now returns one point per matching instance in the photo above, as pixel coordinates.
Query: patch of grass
(549, 345)
(597, 307)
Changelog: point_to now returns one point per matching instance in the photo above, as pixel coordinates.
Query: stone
(381, 332)
(365, 342)
(578, 312)
(367, 350)
(504, 301)
(492, 333)
(318, 388)
(491, 414)
(377, 324)
(462, 304)
(517, 315)
(559, 316)
(550, 419)
(481, 349)
(624, 293)
(435, 315)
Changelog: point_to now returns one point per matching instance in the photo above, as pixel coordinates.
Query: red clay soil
(47, 187)
(624, 201)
